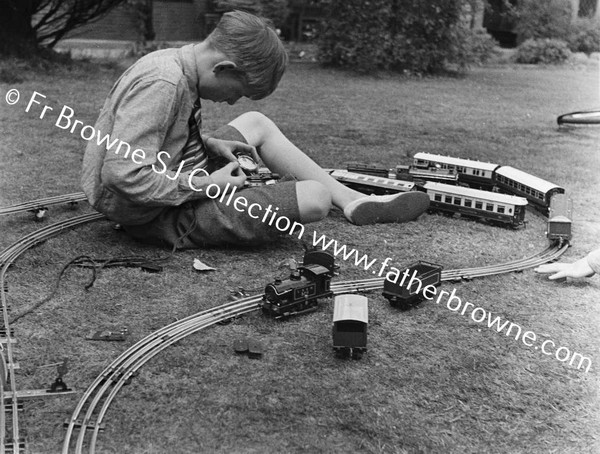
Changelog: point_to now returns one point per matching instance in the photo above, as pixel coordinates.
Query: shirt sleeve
(133, 167)
(593, 259)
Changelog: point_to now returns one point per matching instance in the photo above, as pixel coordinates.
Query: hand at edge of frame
(580, 268)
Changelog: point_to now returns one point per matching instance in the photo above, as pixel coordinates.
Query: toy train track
(92, 408)
(89, 413)
(42, 204)
(8, 390)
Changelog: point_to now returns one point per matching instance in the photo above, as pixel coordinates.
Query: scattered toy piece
(39, 214)
(199, 266)
(255, 349)
(240, 345)
(59, 385)
(151, 268)
(108, 335)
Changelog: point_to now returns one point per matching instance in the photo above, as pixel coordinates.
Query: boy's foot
(402, 207)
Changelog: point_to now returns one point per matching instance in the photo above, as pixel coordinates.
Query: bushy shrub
(356, 34)
(584, 36)
(538, 19)
(545, 51)
(478, 47)
(276, 10)
(409, 35)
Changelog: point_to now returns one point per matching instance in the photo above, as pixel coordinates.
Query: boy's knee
(314, 200)
(255, 126)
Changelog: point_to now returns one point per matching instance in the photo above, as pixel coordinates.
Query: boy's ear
(223, 66)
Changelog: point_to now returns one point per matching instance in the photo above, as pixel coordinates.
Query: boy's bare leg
(282, 156)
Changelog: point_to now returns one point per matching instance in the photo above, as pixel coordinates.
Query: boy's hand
(227, 149)
(581, 268)
(231, 173)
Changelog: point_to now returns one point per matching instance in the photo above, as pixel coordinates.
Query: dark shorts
(268, 212)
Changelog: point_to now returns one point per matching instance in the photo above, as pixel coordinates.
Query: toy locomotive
(350, 321)
(300, 293)
(409, 291)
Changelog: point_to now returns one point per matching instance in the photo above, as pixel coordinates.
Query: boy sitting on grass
(158, 193)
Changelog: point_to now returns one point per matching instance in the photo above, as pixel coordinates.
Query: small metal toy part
(59, 385)
(240, 346)
(255, 349)
(39, 214)
(107, 335)
(247, 164)
(252, 347)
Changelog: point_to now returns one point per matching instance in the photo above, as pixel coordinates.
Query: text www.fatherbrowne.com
(454, 303)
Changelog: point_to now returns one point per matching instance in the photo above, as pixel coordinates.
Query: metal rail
(97, 399)
(7, 257)
(40, 204)
(99, 396)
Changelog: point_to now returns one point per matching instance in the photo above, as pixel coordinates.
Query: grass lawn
(432, 380)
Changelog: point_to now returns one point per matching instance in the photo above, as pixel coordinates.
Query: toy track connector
(9, 445)
(90, 425)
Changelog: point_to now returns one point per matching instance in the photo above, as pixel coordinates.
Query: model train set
(472, 189)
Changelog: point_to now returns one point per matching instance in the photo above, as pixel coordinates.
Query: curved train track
(91, 410)
(8, 389)
(41, 204)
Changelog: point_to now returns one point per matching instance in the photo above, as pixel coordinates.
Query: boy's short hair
(253, 45)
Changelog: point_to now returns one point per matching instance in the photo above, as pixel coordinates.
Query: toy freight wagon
(350, 320)
(408, 291)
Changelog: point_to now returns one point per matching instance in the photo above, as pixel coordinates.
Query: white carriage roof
(357, 177)
(456, 161)
(476, 194)
(527, 179)
(351, 307)
(560, 219)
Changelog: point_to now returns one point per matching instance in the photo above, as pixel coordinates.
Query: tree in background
(537, 19)
(276, 10)
(27, 27)
(143, 18)
(405, 35)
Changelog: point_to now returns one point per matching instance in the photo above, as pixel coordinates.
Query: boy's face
(225, 85)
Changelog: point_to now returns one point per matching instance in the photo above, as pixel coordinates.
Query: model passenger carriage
(473, 173)
(421, 176)
(370, 184)
(500, 208)
(560, 218)
(368, 169)
(408, 290)
(536, 190)
(350, 321)
(298, 294)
